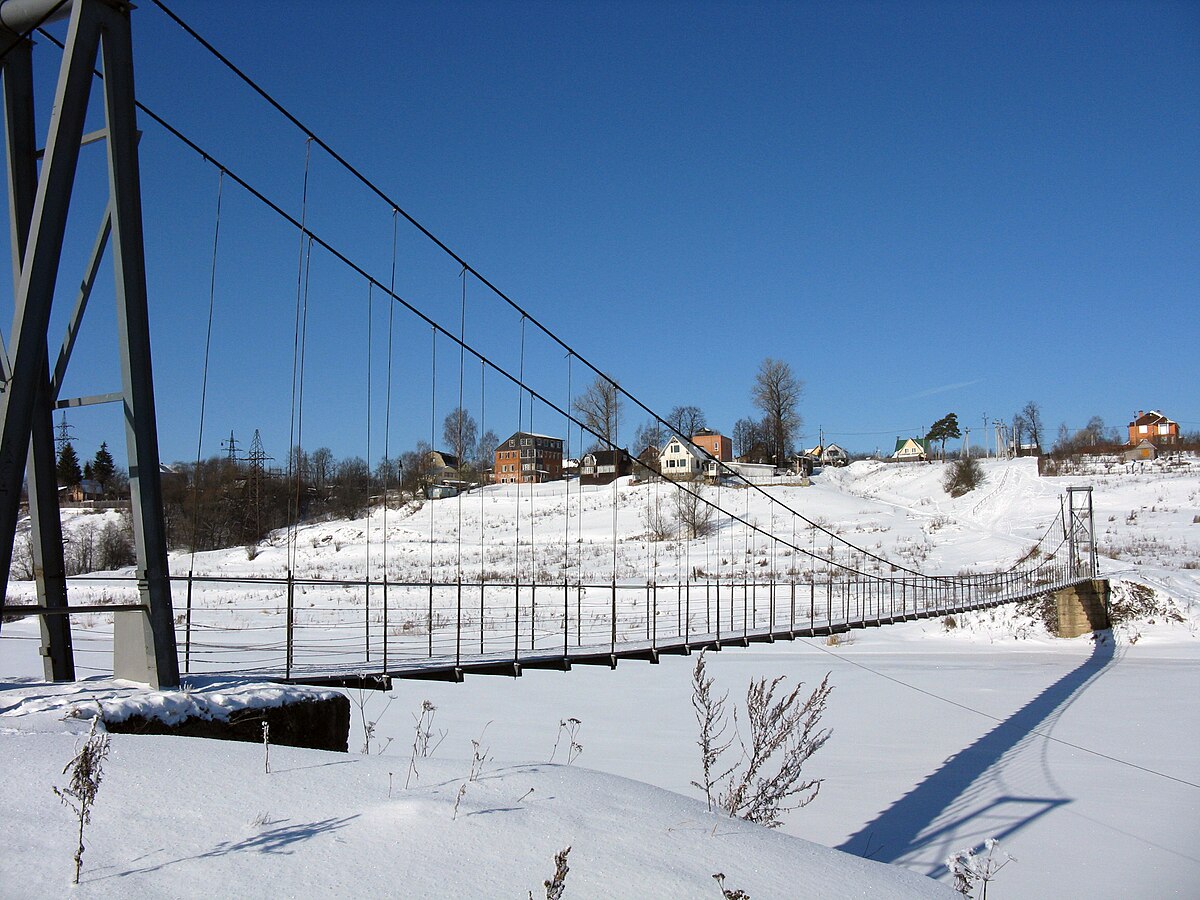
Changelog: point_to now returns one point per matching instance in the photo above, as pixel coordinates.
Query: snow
(189, 818)
(207, 698)
(1077, 755)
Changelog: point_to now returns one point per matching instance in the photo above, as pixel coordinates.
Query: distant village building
(714, 444)
(647, 464)
(680, 461)
(1153, 426)
(731, 470)
(1142, 451)
(828, 455)
(441, 466)
(604, 466)
(529, 458)
(912, 449)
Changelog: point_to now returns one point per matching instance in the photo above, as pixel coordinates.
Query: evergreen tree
(103, 467)
(69, 473)
(944, 428)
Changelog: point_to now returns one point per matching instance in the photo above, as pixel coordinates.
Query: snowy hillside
(1075, 754)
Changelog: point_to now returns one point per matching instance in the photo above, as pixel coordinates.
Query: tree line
(769, 437)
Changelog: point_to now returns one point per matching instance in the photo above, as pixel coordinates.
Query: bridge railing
(293, 627)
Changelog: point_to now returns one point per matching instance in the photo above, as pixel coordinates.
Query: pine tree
(944, 428)
(103, 467)
(69, 474)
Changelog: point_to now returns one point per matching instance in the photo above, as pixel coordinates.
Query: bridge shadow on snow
(958, 800)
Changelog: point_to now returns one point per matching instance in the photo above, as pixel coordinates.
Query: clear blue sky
(923, 208)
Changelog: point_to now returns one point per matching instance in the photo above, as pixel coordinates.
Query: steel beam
(96, 26)
(46, 544)
(39, 269)
(133, 330)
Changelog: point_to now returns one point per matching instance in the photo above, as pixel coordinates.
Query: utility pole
(966, 442)
(984, 433)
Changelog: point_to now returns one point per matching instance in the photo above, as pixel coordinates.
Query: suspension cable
(341, 257)
(212, 294)
(381, 194)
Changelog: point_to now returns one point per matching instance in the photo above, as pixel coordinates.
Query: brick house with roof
(714, 444)
(528, 458)
(1153, 426)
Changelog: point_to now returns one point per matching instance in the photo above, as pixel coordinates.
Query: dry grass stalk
(87, 770)
(784, 731)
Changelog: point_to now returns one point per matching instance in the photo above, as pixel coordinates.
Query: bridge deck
(448, 667)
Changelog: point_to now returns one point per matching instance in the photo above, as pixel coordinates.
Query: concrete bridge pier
(1082, 608)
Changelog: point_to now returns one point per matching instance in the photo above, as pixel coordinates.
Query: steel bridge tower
(39, 201)
(1081, 532)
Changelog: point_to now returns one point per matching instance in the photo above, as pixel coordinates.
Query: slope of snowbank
(186, 817)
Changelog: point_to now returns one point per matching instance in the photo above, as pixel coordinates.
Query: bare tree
(1032, 415)
(416, 471)
(692, 511)
(458, 434)
(1019, 427)
(652, 434)
(659, 526)
(749, 441)
(685, 421)
(485, 449)
(321, 464)
(777, 393)
(600, 408)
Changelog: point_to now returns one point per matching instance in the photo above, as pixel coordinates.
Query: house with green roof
(912, 449)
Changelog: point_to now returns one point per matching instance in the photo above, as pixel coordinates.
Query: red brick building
(528, 458)
(714, 444)
(1153, 426)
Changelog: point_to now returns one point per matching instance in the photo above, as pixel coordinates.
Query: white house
(681, 461)
(828, 455)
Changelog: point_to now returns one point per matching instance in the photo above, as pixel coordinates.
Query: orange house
(714, 444)
(1153, 426)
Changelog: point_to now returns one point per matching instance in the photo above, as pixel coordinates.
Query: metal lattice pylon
(39, 201)
(1081, 532)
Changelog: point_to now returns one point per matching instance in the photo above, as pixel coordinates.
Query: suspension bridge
(519, 568)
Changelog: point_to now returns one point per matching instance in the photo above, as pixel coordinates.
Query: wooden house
(604, 466)
(681, 461)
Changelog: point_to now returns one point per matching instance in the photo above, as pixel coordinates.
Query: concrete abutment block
(1083, 608)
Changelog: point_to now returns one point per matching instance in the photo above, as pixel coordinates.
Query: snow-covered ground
(1078, 755)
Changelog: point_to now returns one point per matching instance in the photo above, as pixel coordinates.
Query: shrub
(784, 731)
(963, 476)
